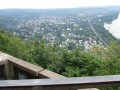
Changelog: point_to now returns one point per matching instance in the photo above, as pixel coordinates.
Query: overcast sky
(55, 3)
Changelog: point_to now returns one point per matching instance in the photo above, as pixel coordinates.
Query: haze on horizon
(48, 4)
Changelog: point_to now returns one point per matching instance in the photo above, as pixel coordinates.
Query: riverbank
(114, 27)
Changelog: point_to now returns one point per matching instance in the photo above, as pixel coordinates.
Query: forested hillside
(71, 63)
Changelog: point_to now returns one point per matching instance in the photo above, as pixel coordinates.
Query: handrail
(57, 82)
(65, 83)
(9, 62)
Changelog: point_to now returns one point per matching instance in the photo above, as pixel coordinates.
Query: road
(92, 28)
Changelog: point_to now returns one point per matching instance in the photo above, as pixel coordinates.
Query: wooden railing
(48, 79)
(61, 84)
(10, 63)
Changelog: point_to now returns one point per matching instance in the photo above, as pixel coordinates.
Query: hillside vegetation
(71, 63)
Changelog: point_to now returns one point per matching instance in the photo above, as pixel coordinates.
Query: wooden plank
(25, 66)
(49, 74)
(64, 83)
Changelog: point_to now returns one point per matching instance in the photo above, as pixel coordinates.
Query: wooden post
(9, 70)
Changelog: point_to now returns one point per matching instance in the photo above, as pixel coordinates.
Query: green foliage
(81, 63)
(11, 44)
(110, 59)
(71, 63)
(38, 54)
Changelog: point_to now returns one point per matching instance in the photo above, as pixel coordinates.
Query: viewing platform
(17, 74)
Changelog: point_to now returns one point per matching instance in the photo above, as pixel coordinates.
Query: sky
(46, 4)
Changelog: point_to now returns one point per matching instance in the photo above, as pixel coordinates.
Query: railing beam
(63, 84)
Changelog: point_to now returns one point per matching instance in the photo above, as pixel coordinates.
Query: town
(69, 29)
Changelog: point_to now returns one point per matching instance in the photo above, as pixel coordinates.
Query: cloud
(55, 3)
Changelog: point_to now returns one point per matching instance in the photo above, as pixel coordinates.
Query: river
(114, 27)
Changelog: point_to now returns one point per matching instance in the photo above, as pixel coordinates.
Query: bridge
(16, 74)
